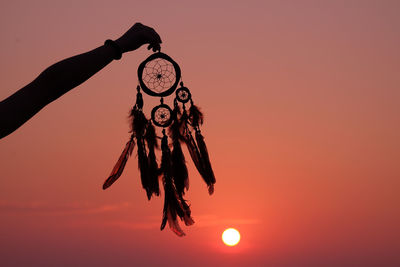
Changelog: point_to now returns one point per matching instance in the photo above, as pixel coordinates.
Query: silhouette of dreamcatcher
(159, 76)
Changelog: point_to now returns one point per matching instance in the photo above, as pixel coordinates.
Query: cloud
(213, 220)
(146, 225)
(45, 207)
(200, 221)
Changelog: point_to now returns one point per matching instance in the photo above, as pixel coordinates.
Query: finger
(154, 47)
(157, 48)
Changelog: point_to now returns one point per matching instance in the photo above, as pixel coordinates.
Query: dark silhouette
(67, 74)
(159, 76)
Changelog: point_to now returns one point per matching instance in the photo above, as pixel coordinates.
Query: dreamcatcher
(159, 76)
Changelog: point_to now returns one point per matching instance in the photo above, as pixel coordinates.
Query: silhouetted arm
(66, 75)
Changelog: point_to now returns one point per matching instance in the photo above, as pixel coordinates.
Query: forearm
(50, 85)
(71, 72)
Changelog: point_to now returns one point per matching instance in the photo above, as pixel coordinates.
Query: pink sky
(301, 100)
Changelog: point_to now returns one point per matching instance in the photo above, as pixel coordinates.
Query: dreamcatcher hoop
(161, 115)
(159, 75)
(183, 94)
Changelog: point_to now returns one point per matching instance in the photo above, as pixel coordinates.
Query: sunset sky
(302, 122)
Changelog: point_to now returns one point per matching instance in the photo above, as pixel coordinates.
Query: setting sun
(231, 237)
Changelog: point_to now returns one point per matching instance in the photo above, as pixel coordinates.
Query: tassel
(194, 151)
(190, 143)
(187, 212)
(180, 172)
(120, 165)
(143, 163)
(171, 210)
(179, 169)
(173, 206)
(209, 173)
(198, 148)
(139, 124)
(198, 160)
(153, 166)
(196, 116)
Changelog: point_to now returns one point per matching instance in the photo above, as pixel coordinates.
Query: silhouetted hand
(67, 74)
(137, 36)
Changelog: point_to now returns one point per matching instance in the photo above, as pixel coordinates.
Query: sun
(231, 237)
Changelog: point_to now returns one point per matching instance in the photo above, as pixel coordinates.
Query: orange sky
(302, 123)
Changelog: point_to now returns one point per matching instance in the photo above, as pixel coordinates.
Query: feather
(174, 209)
(195, 154)
(153, 166)
(174, 225)
(190, 143)
(165, 212)
(196, 116)
(179, 169)
(198, 149)
(187, 212)
(209, 173)
(172, 205)
(120, 165)
(143, 166)
(139, 123)
(176, 125)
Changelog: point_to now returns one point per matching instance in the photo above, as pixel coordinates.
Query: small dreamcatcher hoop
(161, 115)
(183, 94)
(159, 75)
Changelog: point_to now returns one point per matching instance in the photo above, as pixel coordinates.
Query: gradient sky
(301, 100)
